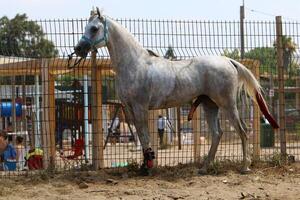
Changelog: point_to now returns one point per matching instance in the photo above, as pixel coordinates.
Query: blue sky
(154, 9)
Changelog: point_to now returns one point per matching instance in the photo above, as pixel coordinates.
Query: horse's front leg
(140, 116)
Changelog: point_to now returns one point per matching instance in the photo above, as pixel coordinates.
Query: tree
(170, 54)
(289, 48)
(235, 54)
(22, 38)
(267, 56)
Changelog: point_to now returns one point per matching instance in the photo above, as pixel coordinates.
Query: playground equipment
(119, 107)
(74, 153)
(42, 107)
(6, 109)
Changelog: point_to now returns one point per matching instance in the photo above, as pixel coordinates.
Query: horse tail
(254, 90)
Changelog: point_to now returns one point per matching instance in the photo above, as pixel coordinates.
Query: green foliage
(235, 54)
(297, 127)
(215, 167)
(133, 166)
(267, 56)
(277, 159)
(65, 80)
(22, 38)
(289, 47)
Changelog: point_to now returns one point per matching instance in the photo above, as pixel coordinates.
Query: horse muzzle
(82, 49)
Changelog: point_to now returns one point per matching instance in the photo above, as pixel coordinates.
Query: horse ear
(92, 14)
(99, 14)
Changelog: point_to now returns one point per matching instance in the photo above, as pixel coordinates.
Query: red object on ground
(75, 152)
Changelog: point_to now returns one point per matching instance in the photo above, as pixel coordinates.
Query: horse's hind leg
(240, 127)
(211, 111)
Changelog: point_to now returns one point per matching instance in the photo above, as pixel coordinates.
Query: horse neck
(122, 46)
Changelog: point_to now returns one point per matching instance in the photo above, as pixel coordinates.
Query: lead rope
(77, 61)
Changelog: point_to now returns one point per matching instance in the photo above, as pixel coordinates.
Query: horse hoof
(246, 171)
(202, 171)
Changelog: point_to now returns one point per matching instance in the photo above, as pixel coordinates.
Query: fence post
(97, 133)
(48, 115)
(256, 115)
(281, 91)
(51, 114)
(196, 124)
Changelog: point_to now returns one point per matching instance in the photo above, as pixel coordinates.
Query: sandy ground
(224, 182)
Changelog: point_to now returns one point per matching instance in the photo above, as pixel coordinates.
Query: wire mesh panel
(71, 117)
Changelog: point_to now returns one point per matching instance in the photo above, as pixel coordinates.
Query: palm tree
(289, 48)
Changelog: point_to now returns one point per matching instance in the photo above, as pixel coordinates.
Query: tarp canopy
(14, 66)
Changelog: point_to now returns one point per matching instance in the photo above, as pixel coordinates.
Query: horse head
(95, 35)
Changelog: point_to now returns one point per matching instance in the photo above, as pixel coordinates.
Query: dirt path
(183, 183)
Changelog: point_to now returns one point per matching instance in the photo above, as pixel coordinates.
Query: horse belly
(175, 99)
(185, 90)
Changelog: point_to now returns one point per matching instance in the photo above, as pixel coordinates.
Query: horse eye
(94, 29)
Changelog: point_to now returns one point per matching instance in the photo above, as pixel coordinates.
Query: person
(9, 155)
(161, 125)
(20, 153)
(3, 142)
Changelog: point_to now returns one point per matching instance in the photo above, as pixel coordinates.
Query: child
(9, 157)
(161, 125)
(3, 145)
(20, 153)
(3, 142)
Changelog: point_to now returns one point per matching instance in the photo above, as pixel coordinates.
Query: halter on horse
(146, 82)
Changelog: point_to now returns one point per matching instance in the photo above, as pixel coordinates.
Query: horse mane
(152, 53)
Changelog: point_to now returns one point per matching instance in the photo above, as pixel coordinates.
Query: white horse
(146, 82)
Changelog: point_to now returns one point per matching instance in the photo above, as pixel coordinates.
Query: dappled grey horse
(146, 82)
